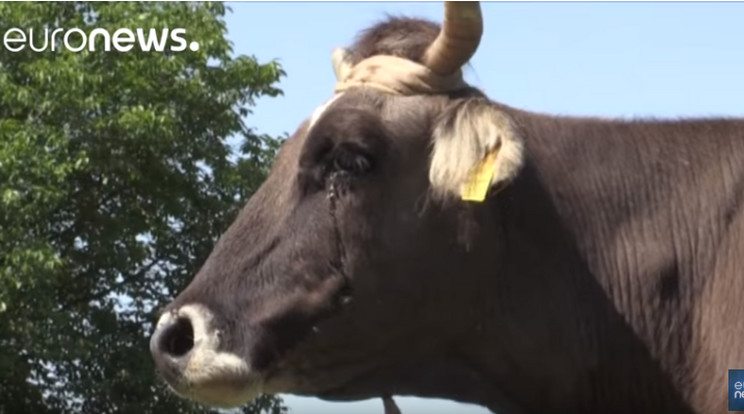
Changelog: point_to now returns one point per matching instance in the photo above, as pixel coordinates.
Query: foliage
(116, 179)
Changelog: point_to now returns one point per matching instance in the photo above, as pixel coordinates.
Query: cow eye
(352, 162)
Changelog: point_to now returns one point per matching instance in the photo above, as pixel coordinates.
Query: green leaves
(116, 178)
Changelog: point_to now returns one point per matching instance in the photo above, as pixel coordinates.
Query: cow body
(615, 273)
(600, 274)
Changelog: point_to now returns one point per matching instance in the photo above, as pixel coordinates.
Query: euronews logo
(736, 390)
(98, 39)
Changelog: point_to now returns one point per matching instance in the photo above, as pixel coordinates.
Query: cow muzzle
(186, 349)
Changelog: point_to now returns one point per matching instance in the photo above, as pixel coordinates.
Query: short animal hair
(469, 129)
(396, 36)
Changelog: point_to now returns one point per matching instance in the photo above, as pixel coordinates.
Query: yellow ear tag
(479, 178)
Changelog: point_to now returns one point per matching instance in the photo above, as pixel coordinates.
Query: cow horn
(459, 38)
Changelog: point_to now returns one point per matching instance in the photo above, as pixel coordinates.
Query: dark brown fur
(397, 36)
(605, 279)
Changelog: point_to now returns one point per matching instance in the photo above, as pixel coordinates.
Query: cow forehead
(320, 110)
(393, 111)
(365, 99)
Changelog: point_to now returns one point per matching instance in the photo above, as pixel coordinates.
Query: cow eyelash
(352, 162)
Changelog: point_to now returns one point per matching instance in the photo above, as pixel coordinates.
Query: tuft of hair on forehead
(403, 37)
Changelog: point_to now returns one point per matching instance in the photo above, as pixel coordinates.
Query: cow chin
(218, 379)
(220, 394)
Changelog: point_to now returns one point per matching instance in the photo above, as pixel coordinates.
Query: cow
(417, 238)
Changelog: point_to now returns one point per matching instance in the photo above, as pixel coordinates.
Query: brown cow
(601, 272)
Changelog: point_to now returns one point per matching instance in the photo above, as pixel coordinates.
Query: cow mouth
(219, 384)
(222, 392)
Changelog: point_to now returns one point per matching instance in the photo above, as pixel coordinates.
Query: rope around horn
(393, 75)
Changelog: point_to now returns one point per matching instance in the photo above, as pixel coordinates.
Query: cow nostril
(178, 339)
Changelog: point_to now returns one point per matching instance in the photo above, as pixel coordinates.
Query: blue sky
(606, 59)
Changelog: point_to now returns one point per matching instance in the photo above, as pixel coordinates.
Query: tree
(116, 178)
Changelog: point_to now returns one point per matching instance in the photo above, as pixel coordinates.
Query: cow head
(347, 271)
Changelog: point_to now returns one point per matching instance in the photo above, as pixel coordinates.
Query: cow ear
(475, 148)
(342, 63)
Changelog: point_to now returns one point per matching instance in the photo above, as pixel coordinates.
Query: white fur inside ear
(463, 137)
